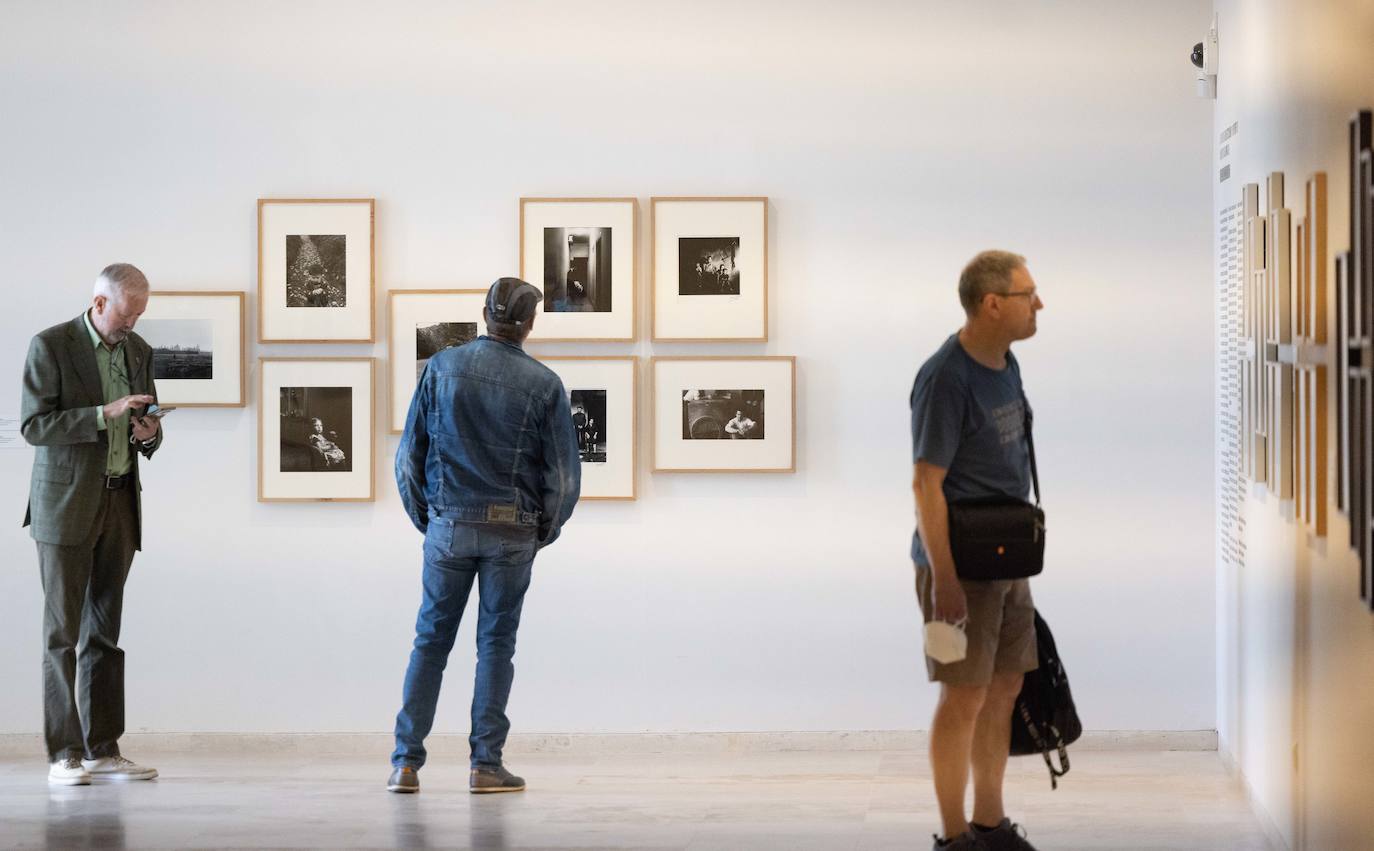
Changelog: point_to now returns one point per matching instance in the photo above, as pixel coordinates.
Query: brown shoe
(404, 779)
(484, 780)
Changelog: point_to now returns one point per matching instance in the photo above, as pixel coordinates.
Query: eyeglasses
(1031, 293)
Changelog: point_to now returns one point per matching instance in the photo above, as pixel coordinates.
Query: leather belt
(114, 483)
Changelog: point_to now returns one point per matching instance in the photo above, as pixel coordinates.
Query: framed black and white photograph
(710, 266)
(198, 347)
(431, 338)
(315, 440)
(577, 274)
(316, 432)
(580, 253)
(589, 420)
(601, 395)
(316, 270)
(423, 323)
(724, 414)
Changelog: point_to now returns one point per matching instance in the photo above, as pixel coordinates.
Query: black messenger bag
(999, 537)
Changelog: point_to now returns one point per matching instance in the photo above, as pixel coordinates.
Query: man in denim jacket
(489, 471)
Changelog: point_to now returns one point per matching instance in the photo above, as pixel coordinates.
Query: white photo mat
(618, 214)
(407, 310)
(615, 478)
(742, 317)
(221, 317)
(356, 485)
(671, 379)
(280, 218)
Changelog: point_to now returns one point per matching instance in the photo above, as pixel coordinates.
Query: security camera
(1204, 58)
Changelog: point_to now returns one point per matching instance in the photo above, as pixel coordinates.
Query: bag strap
(1056, 773)
(1047, 749)
(1030, 445)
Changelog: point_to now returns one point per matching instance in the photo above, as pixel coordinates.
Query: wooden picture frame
(593, 300)
(1277, 342)
(310, 253)
(1345, 332)
(1310, 358)
(447, 308)
(200, 347)
(312, 451)
(709, 257)
(614, 475)
(691, 419)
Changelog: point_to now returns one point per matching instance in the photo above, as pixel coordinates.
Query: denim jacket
(489, 439)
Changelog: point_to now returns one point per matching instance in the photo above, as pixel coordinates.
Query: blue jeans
(499, 559)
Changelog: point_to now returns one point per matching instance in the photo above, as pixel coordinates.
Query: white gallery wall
(894, 140)
(1295, 644)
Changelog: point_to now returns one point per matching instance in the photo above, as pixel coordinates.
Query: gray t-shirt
(970, 420)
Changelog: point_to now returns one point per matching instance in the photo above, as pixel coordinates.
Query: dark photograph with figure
(434, 338)
(589, 420)
(722, 415)
(317, 429)
(577, 270)
(706, 265)
(315, 271)
(182, 348)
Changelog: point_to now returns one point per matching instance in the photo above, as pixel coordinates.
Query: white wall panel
(894, 140)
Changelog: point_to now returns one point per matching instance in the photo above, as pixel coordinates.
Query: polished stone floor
(798, 800)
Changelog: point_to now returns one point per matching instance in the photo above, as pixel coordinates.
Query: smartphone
(155, 411)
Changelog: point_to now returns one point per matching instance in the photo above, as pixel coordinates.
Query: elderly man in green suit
(87, 386)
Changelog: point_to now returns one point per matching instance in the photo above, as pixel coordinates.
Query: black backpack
(1045, 719)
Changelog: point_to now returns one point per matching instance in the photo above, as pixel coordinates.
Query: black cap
(511, 301)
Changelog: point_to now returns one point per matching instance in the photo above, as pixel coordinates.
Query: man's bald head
(120, 297)
(119, 280)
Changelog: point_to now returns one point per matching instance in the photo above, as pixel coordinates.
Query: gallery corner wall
(1295, 676)
(893, 140)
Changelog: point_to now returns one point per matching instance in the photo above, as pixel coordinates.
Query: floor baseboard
(1266, 821)
(19, 745)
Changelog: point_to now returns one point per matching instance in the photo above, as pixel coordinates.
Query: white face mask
(946, 643)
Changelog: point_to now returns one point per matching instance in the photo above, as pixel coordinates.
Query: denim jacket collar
(518, 347)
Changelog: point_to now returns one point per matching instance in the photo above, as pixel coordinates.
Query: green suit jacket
(57, 415)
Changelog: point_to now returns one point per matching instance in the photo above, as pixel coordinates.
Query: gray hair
(989, 272)
(118, 280)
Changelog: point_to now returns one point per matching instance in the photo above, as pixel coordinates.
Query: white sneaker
(117, 768)
(68, 772)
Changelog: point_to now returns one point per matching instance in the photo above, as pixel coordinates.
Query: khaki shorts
(1000, 628)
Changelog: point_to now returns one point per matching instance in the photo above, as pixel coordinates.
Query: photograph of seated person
(330, 452)
(739, 427)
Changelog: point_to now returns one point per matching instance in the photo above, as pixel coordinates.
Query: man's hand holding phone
(145, 427)
(126, 405)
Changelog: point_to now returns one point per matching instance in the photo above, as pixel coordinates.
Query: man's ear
(100, 302)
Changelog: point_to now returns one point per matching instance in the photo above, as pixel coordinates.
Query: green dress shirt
(114, 384)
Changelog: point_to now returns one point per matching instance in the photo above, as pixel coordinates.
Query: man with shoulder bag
(977, 540)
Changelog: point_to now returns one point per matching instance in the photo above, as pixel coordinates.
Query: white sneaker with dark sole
(68, 772)
(117, 768)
